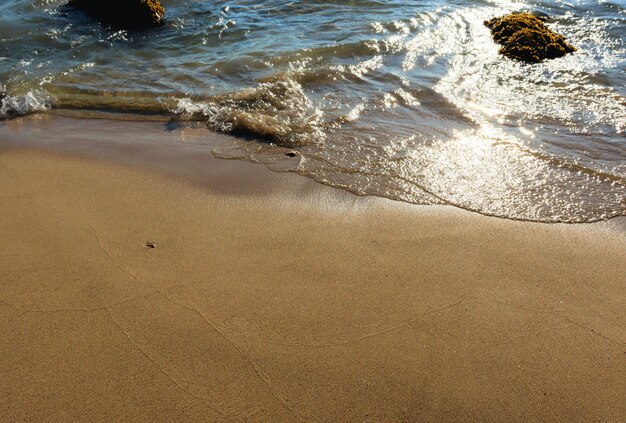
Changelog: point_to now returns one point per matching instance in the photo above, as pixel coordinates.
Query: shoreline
(270, 297)
(162, 144)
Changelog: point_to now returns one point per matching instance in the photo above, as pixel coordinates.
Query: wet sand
(268, 297)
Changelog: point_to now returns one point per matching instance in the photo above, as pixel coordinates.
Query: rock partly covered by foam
(525, 37)
(125, 13)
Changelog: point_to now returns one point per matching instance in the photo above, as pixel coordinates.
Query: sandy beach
(144, 280)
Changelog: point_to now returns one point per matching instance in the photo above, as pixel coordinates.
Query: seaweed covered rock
(123, 13)
(525, 37)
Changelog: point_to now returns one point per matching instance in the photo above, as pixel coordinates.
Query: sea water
(407, 100)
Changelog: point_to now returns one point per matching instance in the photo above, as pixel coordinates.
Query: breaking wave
(277, 112)
(11, 106)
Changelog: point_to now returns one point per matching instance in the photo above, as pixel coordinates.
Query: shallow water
(402, 99)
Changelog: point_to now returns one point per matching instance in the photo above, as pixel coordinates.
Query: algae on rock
(525, 37)
(124, 13)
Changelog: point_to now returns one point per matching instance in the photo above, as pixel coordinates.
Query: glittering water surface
(402, 99)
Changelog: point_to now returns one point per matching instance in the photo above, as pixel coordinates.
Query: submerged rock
(525, 37)
(124, 13)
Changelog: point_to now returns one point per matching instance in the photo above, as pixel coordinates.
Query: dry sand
(271, 298)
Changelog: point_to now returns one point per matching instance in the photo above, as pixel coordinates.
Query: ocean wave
(31, 102)
(278, 112)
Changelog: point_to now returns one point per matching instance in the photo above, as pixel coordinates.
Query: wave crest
(278, 112)
(31, 102)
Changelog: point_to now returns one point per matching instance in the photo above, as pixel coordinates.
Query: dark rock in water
(525, 37)
(123, 13)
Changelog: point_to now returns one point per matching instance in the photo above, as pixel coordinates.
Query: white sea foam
(18, 105)
(279, 112)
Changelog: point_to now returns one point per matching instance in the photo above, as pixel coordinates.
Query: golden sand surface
(272, 298)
